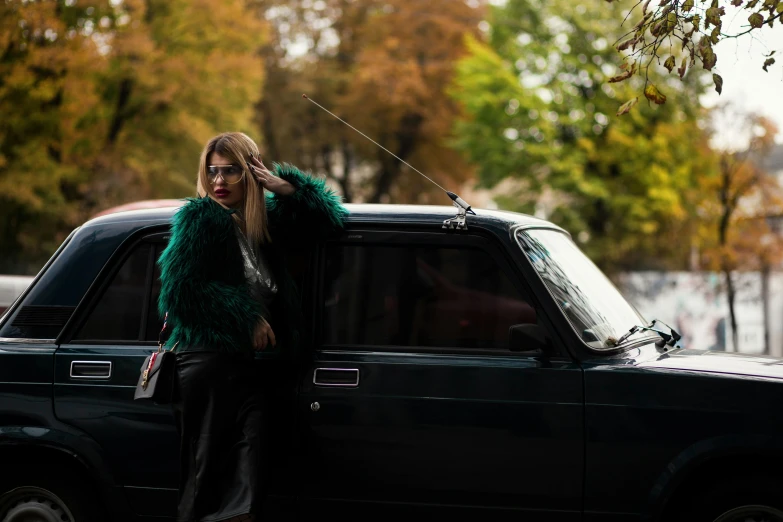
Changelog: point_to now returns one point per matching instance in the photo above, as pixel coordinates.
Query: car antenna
(463, 208)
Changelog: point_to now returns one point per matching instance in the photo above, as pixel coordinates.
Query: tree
(683, 34)
(383, 66)
(104, 102)
(50, 57)
(179, 71)
(741, 200)
(537, 102)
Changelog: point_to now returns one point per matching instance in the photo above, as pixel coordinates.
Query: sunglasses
(231, 174)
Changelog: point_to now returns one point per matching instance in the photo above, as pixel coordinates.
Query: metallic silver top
(260, 278)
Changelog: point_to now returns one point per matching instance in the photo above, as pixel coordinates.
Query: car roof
(359, 213)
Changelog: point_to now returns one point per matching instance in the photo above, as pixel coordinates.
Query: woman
(227, 292)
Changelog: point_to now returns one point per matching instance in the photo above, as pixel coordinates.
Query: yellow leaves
(683, 67)
(652, 93)
(669, 63)
(627, 106)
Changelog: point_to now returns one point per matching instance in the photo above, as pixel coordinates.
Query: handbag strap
(160, 335)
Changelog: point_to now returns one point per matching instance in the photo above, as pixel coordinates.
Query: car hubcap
(752, 514)
(30, 504)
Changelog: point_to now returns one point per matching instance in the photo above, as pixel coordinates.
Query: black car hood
(719, 363)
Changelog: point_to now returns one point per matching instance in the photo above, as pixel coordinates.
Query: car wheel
(47, 501)
(751, 514)
(746, 500)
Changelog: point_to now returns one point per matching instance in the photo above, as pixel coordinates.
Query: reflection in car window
(419, 296)
(117, 315)
(593, 305)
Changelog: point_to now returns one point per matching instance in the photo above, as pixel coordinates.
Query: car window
(117, 316)
(423, 296)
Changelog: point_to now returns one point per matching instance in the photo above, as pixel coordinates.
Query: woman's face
(224, 174)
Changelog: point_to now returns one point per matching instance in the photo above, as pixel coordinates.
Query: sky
(745, 84)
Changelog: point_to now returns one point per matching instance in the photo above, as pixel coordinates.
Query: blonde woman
(227, 292)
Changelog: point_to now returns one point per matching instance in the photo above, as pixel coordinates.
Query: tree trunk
(270, 140)
(730, 295)
(765, 306)
(723, 236)
(407, 136)
(120, 115)
(347, 169)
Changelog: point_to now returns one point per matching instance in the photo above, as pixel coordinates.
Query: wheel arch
(76, 457)
(709, 462)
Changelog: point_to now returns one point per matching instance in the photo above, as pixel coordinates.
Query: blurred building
(11, 286)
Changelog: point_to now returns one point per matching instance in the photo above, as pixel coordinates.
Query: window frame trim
(13, 308)
(480, 239)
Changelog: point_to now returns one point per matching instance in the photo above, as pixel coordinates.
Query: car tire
(40, 499)
(750, 500)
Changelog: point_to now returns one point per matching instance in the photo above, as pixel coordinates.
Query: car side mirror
(529, 338)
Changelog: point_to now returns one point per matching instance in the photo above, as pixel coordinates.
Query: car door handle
(90, 369)
(341, 377)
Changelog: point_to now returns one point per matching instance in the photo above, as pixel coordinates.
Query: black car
(480, 372)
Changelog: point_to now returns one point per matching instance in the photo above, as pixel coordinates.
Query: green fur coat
(203, 286)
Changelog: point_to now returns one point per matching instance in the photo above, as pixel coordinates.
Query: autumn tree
(104, 102)
(682, 34)
(50, 60)
(539, 113)
(741, 199)
(178, 72)
(383, 66)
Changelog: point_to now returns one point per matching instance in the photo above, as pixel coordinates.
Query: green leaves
(691, 27)
(708, 56)
(756, 20)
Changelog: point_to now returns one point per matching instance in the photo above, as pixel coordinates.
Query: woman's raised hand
(263, 335)
(268, 180)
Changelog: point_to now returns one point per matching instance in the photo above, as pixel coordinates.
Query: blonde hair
(238, 147)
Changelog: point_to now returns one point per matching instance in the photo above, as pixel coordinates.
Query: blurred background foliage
(105, 102)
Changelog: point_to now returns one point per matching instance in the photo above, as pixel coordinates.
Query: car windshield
(593, 305)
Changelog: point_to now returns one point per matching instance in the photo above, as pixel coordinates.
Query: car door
(411, 402)
(96, 369)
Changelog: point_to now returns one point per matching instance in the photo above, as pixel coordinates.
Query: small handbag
(156, 381)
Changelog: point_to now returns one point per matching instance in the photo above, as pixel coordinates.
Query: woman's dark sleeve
(196, 290)
(311, 213)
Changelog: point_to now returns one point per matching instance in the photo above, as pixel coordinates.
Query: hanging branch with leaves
(679, 34)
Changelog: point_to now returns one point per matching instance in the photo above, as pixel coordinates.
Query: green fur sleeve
(311, 213)
(207, 305)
